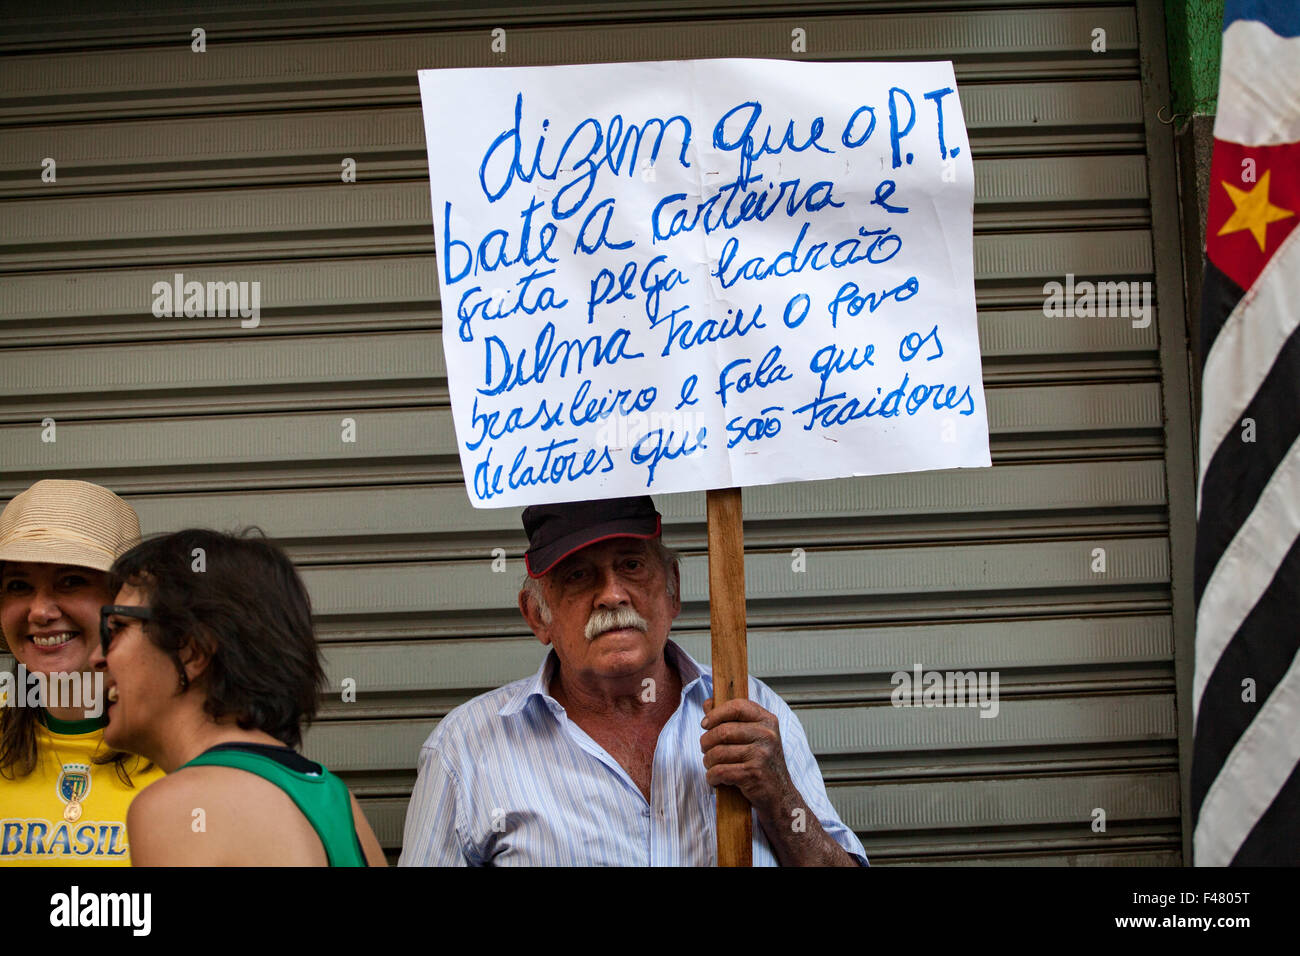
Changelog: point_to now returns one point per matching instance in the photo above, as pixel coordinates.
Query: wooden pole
(730, 655)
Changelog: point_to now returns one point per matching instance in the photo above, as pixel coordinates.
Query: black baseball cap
(555, 531)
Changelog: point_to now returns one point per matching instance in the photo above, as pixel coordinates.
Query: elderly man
(607, 756)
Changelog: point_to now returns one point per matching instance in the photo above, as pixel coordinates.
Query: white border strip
(1259, 87)
(1246, 348)
(1246, 568)
(1251, 777)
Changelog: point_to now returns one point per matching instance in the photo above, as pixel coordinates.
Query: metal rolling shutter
(225, 166)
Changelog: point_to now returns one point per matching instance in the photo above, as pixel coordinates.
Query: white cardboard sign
(675, 276)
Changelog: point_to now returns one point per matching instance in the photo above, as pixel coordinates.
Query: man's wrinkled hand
(742, 748)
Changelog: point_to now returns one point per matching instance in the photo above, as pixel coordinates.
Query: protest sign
(677, 276)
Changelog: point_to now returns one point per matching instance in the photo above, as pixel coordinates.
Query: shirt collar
(72, 727)
(536, 688)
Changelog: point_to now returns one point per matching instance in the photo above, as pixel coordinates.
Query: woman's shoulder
(203, 778)
(159, 789)
(257, 821)
(189, 787)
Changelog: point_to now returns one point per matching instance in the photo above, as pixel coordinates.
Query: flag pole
(730, 655)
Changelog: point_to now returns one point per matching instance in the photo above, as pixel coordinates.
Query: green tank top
(322, 799)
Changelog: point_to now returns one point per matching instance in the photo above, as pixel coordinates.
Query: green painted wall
(1195, 31)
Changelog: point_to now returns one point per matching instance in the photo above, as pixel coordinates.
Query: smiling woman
(212, 666)
(63, 793)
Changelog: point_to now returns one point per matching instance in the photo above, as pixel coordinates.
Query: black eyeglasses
(108, 630)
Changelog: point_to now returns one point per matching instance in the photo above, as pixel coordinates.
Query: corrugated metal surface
(225, 165)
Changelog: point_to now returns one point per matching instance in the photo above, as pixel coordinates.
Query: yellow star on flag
(1254, 211)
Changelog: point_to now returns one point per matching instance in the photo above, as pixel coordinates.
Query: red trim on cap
(607, 537)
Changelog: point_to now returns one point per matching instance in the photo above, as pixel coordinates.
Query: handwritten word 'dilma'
(524, 368)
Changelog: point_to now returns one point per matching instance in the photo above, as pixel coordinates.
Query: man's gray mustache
(614, 619)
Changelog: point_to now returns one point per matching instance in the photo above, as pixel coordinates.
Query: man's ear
(676, 572)
(528, 608)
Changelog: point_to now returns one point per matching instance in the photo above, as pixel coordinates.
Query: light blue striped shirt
(508, 780)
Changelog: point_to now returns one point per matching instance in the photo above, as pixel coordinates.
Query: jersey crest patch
(74, 782)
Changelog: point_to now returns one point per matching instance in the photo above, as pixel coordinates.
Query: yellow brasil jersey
(34, 830)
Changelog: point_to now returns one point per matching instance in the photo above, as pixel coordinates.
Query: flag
(1245, 786)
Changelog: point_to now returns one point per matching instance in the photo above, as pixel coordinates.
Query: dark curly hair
(239, 600)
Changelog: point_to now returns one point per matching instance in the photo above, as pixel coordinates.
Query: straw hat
(67, 522)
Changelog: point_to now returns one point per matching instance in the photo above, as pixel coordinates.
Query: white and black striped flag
(1246, 691)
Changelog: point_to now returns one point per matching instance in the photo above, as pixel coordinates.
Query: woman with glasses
(63, 793)
(211, 664)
